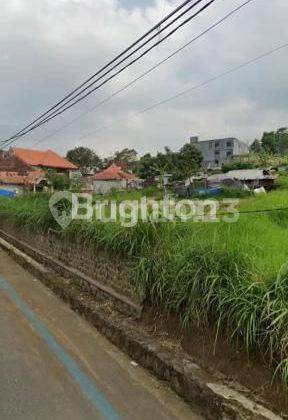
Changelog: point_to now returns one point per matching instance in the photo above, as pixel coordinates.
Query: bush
(237, 165)
(282, 181)
(235, 193)
(60, 182)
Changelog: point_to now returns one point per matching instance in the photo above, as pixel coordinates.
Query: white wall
(104, 187)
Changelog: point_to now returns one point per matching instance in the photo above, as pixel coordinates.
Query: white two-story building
(217, 152)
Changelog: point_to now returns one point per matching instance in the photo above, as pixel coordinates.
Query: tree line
(180, 165)
(272, 142)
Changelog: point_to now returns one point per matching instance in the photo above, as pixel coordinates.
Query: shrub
(237, 165)
(59, 182)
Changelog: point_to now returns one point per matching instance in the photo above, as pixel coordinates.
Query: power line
(59, 106)
(195, 87)
(150, 70)
(55, 113)
(111, 62)
(256, 211)
(62, 110)
(213, 79)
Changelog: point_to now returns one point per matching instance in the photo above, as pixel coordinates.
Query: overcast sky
(50, 46)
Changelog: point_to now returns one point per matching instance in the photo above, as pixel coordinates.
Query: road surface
(54, 365)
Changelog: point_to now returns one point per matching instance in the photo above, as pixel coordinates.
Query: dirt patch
(220, 356)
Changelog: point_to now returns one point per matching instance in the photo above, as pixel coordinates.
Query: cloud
(49, 47)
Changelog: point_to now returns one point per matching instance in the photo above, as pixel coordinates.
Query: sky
(48, 47)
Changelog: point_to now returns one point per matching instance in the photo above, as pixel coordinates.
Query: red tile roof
(46, 158)
(113, 173)
(30, 178)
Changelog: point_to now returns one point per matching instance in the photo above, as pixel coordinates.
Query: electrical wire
(195, 87)
(147, 72)
(55, 114)
(111, 62)
(256, 211)
(57, 107)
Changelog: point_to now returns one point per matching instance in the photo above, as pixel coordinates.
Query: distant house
(217, 152)
(17, 176)
(113, 178)
(41, 160)
(10, 163)
(18, 183)
(24, 169)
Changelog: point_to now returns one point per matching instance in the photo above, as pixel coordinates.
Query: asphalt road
(54, 365)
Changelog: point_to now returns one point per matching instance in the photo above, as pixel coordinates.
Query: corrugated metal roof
(242, 175)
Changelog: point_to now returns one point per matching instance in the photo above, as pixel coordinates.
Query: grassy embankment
(234, 276)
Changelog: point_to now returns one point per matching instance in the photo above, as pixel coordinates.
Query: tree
(180, 165)
(256, 146)
(85, 158)
(282, 140)
(145, 167)
(125, 158)
(269, 144)
(164, 162)
(275, 142)
(188, 161)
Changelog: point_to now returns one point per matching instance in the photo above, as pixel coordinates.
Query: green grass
(30, 211)
(228, 193)
(150, 192)
(232, 275)
(282, 181)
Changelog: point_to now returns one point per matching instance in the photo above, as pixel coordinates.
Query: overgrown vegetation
(149, 192)
(227, 192)
(272, 142)
(234, 276)
(264, 160)
(59, 182)
(237, 165)
(180, 165)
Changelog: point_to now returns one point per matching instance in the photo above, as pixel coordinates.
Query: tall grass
(30, 211)
(149, 192)
(233, 276)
